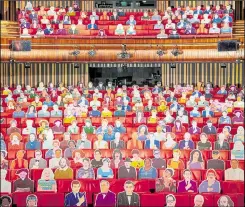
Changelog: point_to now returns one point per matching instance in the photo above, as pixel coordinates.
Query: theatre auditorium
(122, 103)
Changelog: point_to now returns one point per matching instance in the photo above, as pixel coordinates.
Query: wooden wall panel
(102, 55)
(205, 72)
(47, 72)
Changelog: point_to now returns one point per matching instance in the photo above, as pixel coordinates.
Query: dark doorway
(125, 74)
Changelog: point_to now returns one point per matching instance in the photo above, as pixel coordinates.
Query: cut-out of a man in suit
(128, 197)
(127, 171)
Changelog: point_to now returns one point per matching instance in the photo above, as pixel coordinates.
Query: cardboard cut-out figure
(142, 132)
(147, 172)
(225, 201)
(187, 143)
(31, 200)
(5, 201)
(209, 128)
(117, 159)
(24, 183)
(15, 142)
(86, 171)
(157, 161)
(234, 172)
(105, 197)
(187, 185)
(38, 162)
(76, 198)
(198, 201)
(166, 183)
(238, 151)
(128, 197)
(105, 171)
(239, 136)
(176, 162)
(5, 185)
(19, 162)
(4, 162)
(210, 185)
(127, 171)
(170, 200)
(216, 163)
(221, 144)
(151, 142)
(47, 181)
(63, 171)
(196, 160)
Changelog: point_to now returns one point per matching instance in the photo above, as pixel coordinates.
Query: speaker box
(228, 45)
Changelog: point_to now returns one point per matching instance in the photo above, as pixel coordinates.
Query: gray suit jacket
(122, 200)
(121, 145)
(41, 165)
(123, 172)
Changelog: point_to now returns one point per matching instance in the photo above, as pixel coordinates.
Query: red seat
(156, 199)
(233, 187)
(50, 199)
(182, 200)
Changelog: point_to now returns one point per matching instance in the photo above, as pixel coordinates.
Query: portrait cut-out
(128, 197)
(76, 198)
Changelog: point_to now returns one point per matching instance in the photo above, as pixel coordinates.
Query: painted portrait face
(104, 187)
(170, 201)
(129, 188)
(195, 155)
(223, 201)
(76, 188)
(22, 175)
(32, 203)
(211, 176)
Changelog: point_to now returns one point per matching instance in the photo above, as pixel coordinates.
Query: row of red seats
(146, 199)
(198, 175)
(125, 138)
(146, 153)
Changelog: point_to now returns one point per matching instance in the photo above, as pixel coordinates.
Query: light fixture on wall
(161, 52)
(124, 54)
(223, 65)
(92, 52)
(27, 65)
(76, 65)
(172, 65)
(75, 52)
(176, 51)
(11, 60)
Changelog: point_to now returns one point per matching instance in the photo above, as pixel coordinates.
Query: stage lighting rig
(92, 52)
(175, 52)
(124, 54)
(161, 52)
(76, 51)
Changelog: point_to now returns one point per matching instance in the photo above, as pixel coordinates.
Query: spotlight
(76, 65)
(175, 52)
(161, 53)
(172, 65)
(223, 65)
(12, 60)
(124, 54)
(92, 53)
(27, 65)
